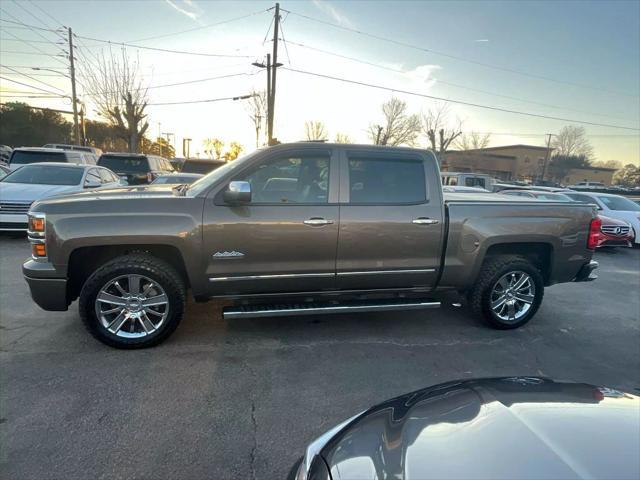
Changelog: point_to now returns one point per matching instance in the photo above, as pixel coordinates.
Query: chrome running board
(295, 309)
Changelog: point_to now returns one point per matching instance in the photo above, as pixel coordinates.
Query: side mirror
(91, 184)
(238, 192)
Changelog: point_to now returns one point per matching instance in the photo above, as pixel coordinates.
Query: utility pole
(168, 134)
(274, 69)
(74, 99)
(83, 131)
(186, 144)
(546, 158)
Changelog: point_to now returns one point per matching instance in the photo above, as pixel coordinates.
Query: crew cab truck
(302, 228)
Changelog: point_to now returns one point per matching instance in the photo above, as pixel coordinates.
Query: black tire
(492, 271)
(134, 264)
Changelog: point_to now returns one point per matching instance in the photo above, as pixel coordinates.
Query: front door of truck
(284, 239)
(391, 220)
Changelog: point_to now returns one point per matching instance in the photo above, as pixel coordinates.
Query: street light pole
(546, 158)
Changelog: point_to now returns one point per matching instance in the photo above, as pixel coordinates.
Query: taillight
(594, 233)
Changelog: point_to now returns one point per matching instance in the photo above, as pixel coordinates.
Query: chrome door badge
(225, 254)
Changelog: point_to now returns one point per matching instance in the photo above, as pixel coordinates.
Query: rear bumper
(49, 293)
(585, 274)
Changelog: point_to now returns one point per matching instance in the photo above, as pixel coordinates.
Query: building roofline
(536, 147)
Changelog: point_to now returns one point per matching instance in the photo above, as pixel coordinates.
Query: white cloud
(424, 74)
(333, 12)
(188, 8)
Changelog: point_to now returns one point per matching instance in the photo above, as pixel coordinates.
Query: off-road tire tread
(489, 270)
(172, 283)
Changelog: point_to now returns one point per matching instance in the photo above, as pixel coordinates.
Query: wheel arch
(83, 261)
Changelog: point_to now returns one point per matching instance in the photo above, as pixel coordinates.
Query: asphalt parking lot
(241, 399)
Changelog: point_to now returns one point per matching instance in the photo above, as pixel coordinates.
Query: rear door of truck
(391, 219)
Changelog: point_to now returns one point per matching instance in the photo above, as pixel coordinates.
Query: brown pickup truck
(303, 228)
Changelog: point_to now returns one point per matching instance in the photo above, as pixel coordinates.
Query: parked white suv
(588, 185)
(26, 155)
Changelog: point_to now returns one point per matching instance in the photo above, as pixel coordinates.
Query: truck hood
(29, 192)
(517, 427)
(121, 193)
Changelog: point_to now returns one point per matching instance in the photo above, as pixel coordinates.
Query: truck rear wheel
(508, 292)
(133, 301)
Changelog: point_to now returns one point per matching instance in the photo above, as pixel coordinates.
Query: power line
(31, 78)
(35, 29)
(24, 25)
(460, 102)
(199, 28)
(31, 86)
(456, 57)
(47, 13)
(209, 100)
(444, 82)
(165, 50)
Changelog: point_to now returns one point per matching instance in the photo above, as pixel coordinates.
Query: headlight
(36, 233)
(318, 444)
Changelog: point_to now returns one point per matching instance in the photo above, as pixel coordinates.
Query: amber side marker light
(36, 224)
(39, 250)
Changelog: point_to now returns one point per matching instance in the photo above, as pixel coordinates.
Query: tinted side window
(106, 176)
(290, 180)
(378, 181)
(92, 177)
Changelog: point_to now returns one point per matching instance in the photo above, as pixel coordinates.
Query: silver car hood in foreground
(29, 192)
(508, 428)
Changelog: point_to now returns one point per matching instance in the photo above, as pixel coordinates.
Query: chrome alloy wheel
(132, 306)
(512, 296)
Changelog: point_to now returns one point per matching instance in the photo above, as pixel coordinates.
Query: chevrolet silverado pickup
(296, 229)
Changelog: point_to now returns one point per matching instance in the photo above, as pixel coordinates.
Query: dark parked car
(26, 155)
(136, 169)
(200, 165)
(176, 178)
(502, 428)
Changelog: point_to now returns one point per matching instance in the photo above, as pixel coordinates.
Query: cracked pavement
(242, 399)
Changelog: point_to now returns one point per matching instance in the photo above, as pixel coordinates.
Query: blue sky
(591, 51)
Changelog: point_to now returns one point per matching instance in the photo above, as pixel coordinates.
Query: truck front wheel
(133, 301)
(508, 292)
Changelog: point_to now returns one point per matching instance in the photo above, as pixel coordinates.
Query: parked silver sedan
(35, 181)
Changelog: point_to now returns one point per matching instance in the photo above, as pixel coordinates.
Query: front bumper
(585, 274)
(13, 222)
(49, 292)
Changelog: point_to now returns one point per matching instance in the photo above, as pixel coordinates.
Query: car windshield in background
(121, 164)
(25, 157)
(619, 203)
(45, 175)
(557, 197)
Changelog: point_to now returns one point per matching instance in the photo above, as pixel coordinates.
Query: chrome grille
(619, 231)
(15, 207)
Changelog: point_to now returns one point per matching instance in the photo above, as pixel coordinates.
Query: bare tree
(472, 141)
(119, 94)
(314, 130)
(437, 128)
(342, 138)
(572, 141)
(400, 127)
(257, 109)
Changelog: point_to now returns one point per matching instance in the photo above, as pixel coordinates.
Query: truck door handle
(425, 221)
(317, 222)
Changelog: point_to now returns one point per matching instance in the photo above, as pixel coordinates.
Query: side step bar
(282, 310)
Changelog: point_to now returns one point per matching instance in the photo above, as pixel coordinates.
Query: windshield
(45, 175)
(121, 164)
(619, 203)
(556, 197)
(203, 183)
(22, 157)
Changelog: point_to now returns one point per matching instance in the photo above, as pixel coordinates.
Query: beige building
(591, 174)
(516, 162)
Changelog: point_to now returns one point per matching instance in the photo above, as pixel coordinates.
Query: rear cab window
(382, 181)
(24, 157)
(124, 164)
